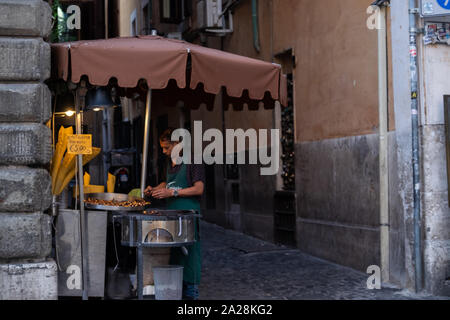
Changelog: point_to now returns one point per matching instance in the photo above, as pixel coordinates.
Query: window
(170, 11)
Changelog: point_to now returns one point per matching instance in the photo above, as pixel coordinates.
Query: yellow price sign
(79, 144)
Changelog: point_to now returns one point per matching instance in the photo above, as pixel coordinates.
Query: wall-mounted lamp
(67, 113)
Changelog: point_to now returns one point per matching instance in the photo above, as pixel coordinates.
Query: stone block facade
(26, 272)
(30, 102)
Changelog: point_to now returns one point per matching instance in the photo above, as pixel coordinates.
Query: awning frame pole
(148, 107)
(105, 145)
(80, 94)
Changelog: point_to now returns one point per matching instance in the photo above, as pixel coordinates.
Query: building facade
(330, 145)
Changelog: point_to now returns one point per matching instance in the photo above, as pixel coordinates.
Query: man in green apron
(182, 190)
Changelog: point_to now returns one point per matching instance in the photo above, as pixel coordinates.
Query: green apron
(192, 262)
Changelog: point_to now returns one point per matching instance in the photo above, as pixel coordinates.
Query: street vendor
(182, 189)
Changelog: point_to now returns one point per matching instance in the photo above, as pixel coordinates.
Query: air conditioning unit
(209, 14)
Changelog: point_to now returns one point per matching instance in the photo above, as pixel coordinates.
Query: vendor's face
(167, 147)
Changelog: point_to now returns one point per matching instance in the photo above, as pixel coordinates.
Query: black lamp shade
(97, 98)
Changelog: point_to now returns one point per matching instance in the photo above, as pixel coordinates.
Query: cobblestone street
(239, 267)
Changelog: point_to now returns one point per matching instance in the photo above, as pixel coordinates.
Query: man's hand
(148, 191)
(162, 193)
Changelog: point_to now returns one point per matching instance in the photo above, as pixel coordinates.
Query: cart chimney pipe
(148, 106)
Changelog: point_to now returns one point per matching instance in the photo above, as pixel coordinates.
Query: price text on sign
(79, 144)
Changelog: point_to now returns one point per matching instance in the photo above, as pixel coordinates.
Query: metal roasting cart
(155, 228)
(148, 228)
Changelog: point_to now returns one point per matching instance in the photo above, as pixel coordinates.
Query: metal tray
(111, 196)
(163, 214)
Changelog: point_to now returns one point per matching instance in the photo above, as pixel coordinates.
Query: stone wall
(338, 200)
(25, 152)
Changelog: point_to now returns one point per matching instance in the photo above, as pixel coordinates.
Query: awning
(163, 63)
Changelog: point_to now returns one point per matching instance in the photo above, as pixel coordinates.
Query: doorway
(285, 196)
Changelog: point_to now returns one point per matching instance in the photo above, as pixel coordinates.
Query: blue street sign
(444, 4)
(435, 8)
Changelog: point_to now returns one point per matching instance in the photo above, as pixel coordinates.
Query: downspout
(383, 137)
(415, 143)
(255, 25)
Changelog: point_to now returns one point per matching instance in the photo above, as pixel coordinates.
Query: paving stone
(20, 102)
(25, 18)
(265, 271)
(24, 59)
(25, 144)
(29, 281)
(25, 235)
(24, 189)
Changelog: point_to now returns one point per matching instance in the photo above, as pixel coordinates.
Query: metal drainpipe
(255, 25)
(415, 143)
(383, 136)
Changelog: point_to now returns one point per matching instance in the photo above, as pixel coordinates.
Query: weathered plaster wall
(336, 66)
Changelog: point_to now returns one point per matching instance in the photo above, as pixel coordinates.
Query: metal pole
(140, 263)
(79, 97)
(106, 19)
(105, 145)
(148, 106)
(415, 143)
(383, 154)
